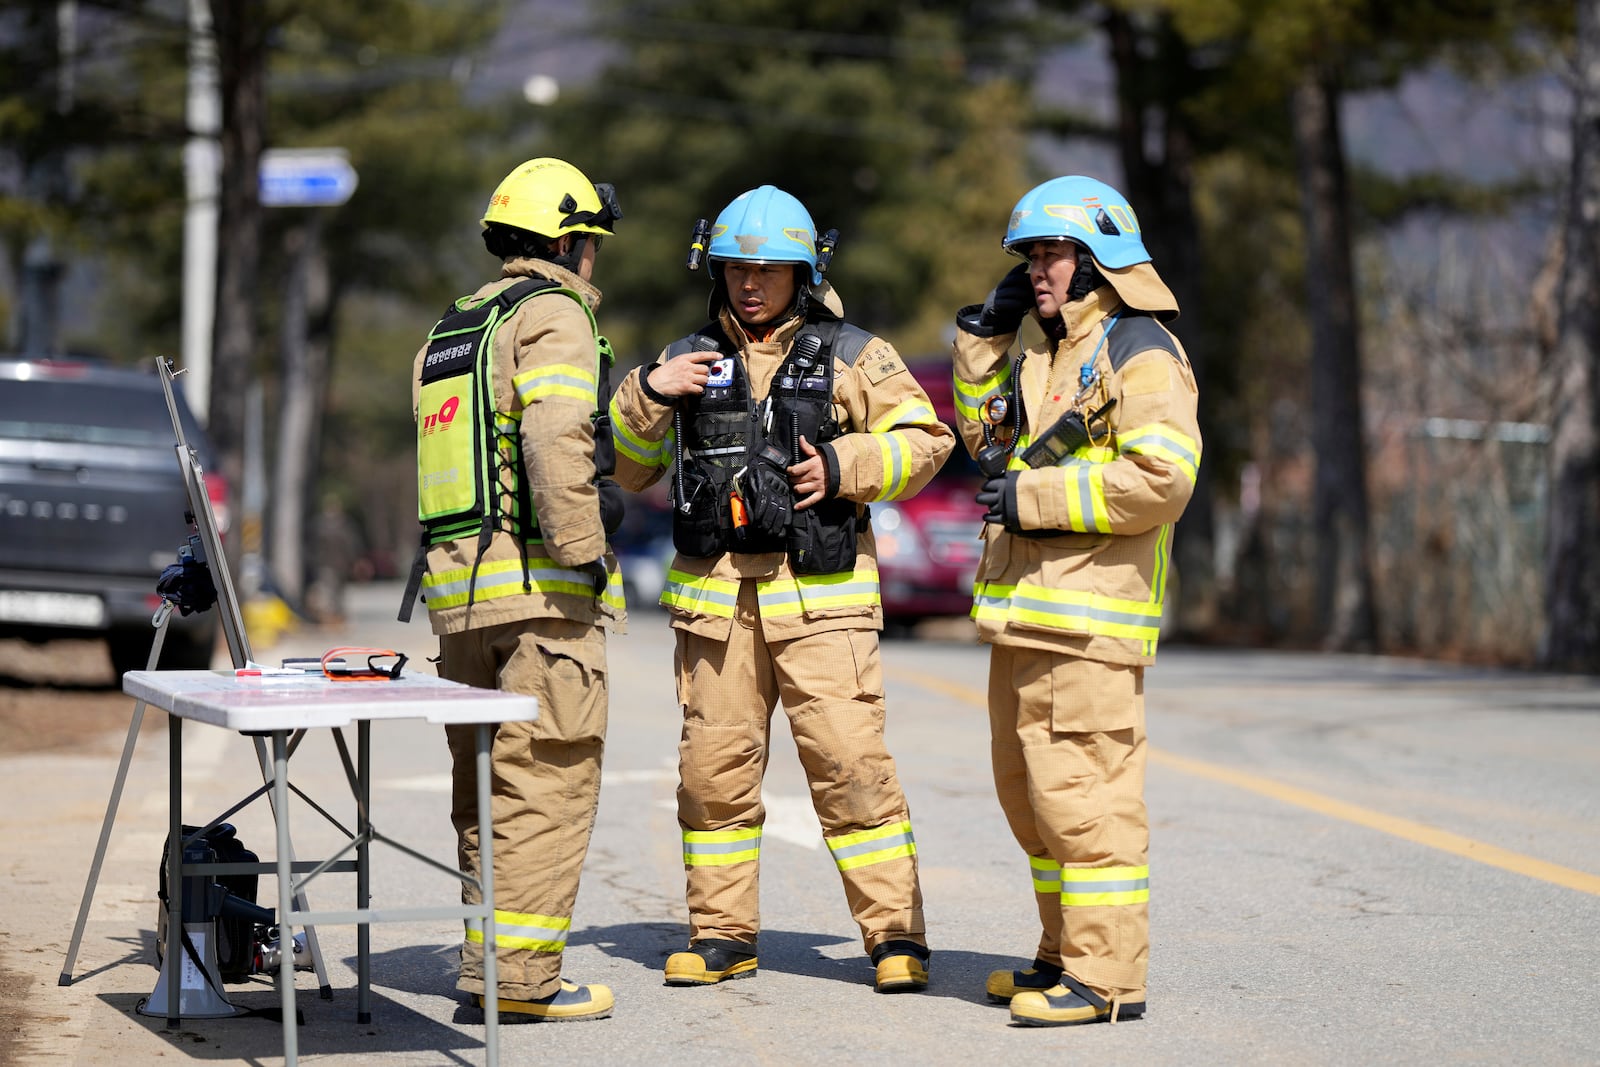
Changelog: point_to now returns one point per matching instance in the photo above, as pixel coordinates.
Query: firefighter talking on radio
(510, 393)
(1090, 446)
(782, 423)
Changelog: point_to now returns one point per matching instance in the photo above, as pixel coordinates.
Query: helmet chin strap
(1086, 276)
(574, 254)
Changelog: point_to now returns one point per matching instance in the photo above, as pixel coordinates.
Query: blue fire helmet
(1084, 210)
(765, 225)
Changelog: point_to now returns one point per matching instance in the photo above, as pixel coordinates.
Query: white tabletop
(312, 700)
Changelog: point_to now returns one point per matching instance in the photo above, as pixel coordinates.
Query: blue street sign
(305, 177)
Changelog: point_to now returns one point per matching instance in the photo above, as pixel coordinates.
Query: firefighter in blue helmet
(781, 423)
(1090, 446)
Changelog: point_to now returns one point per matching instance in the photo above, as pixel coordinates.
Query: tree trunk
(1162, 192)
(304, 385)
(1572, 564)
(1344, 588)
(241, 57)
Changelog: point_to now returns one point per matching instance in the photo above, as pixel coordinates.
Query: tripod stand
(190, 585)
(160, 621)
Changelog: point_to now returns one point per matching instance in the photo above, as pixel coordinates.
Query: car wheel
(899, 628)
(130, 651)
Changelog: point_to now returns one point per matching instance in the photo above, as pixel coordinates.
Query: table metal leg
(363, 870)
(174, 960)
(491, 978)
(312, 944)
(105, 839)
(280, 795)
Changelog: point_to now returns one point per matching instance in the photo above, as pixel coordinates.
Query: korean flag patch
(721, 373)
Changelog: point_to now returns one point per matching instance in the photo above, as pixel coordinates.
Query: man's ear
(564, 244)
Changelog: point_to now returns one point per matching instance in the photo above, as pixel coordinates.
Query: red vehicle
(928, 545)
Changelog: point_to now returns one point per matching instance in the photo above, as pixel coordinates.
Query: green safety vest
(460, 433)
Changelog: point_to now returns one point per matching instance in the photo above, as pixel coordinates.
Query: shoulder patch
(1138, 333)
(883, 362)
(1151, 376)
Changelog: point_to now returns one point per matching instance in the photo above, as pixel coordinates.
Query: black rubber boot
(902, 967)
(1003, 985)
(711, 961)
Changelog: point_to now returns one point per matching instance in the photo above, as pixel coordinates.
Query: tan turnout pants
(831, 687)
(1068, 745)
(545, 790)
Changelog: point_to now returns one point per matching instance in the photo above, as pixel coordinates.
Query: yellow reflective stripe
(971, 398)
(506, 422)
(1158, 577)
(1096, 453)
(642, 452)
(878, 845)
(556, 379)
(498, 578)
(699, 595)
(613, 594)
(1086, 497)
(1014, 462)
(516, 930)
(1046, 874)
(1163, 442)
(1072, 610)
(896, 451)
(913, 412)
(1093, 887)
(815, 592)
(721, 848)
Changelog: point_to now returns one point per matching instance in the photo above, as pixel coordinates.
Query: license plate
(52, 609)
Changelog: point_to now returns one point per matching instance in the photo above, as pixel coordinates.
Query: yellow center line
(1405, 829)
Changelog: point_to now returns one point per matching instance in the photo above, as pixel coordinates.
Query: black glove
(611, 505)
(596, 570)
(999, 495)
(767, 496)
(1002, 310)
(187, 586)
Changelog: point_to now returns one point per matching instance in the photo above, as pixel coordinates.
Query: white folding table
(291, 704)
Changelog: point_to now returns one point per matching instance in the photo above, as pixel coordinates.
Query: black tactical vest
(720, 432)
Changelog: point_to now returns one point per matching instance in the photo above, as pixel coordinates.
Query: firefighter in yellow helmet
(786, 422)
(510, 395)
(1090, 445)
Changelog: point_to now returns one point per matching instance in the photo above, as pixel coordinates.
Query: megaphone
(194, 968)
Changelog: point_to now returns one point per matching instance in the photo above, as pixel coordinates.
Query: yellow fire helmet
(551, 197)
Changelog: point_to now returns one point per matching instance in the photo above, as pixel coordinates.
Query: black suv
(92, 508)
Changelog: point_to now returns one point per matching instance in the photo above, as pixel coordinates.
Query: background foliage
(912, 128)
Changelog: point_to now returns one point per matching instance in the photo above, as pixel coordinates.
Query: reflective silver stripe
(1080, 477)
(1119, 885)
(874, 845)
(544, 378)
(774, 595)
(711, 848)
(492, 580)
(502, 930)
(699, 590)
(1090, 611)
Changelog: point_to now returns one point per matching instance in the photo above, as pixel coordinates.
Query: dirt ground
(61, 696)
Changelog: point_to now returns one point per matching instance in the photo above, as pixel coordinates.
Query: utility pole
(202, 165)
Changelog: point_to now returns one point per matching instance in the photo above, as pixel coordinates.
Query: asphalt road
(1355, 860)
